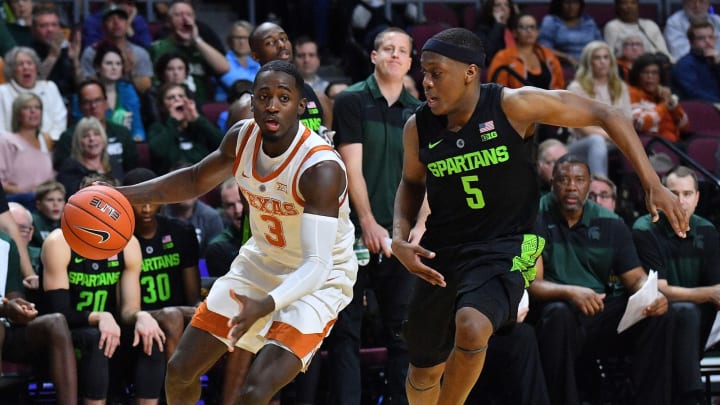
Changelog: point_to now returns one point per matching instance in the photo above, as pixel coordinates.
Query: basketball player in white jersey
(290, 280)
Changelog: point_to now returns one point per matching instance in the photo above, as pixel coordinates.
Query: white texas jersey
(271, 187)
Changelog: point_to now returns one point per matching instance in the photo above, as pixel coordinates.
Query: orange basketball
(97, 222)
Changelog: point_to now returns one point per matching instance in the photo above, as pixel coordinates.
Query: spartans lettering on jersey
(269, 205)
(312, 123)
(161, 262)
(93, 280)
(469, 161)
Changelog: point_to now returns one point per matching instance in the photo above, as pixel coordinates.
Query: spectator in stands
(628, 21)
(182, 134)
(576, 312)
(60, 57)
(696, 76)
(549, 151)
(25, 152)
(223, 248)
(205, 61)
(138, 31)
(8, 226)
(122, 98)
(630, 48)
(171, 67)
(527, 63)
(655, 109)
(676, 26)
(689, 276)
(88, 155)
(170, 279)
(334, 89)
(492, 26)
(566, 29)
(21, 21)
(29, 337)
(137, 67)
(107, 324)
(242, 64)
(603, 191)
(21, 71)
(49, 205)
(92, 101)
(24, 220)
(307, 60)
(597, 78)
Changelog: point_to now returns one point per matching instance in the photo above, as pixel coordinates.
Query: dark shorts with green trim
(486, 276)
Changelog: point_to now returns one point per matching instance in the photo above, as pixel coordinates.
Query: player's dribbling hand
(250, 311)
(409, 255)
(660, 198)
(148, 331)
(109, 334)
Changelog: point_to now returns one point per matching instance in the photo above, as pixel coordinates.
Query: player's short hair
(285, 67)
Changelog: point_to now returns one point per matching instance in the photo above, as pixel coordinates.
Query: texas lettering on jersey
(269, 205)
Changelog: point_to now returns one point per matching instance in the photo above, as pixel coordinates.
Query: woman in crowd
(171, 67)
(492, 26)
(597, 77)
(655, 109)
(242, 65)
(122, 98)
(526, 63)
(88, 155)
(25, 152)
(21, 73)
(566, 29)
(181, 134)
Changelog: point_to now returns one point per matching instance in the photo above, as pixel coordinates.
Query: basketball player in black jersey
(466, 147)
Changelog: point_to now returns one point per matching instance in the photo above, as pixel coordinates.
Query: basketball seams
(118, 204)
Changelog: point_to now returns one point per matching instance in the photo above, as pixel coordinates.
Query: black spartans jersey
(94, 283)
(173, 248)
(481, 183)
(313, 115)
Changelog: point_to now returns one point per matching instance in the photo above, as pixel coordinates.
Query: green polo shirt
(361, 115)
(591, 253)
(690, 262)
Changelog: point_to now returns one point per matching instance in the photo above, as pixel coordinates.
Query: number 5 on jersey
(475, 199)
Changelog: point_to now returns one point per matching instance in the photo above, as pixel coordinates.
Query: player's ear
(471, 72)
(301, 106)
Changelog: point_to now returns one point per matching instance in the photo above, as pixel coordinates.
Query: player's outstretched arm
(530, 105)
(408, 200)
(189, 182)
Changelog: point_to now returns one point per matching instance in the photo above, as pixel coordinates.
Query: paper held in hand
(638, 302)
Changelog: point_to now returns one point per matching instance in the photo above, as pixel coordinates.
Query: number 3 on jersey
(475, 199)
(275, 237)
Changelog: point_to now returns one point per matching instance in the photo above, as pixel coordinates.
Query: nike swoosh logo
(434, 144)
(104, 236)
(79, 260)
